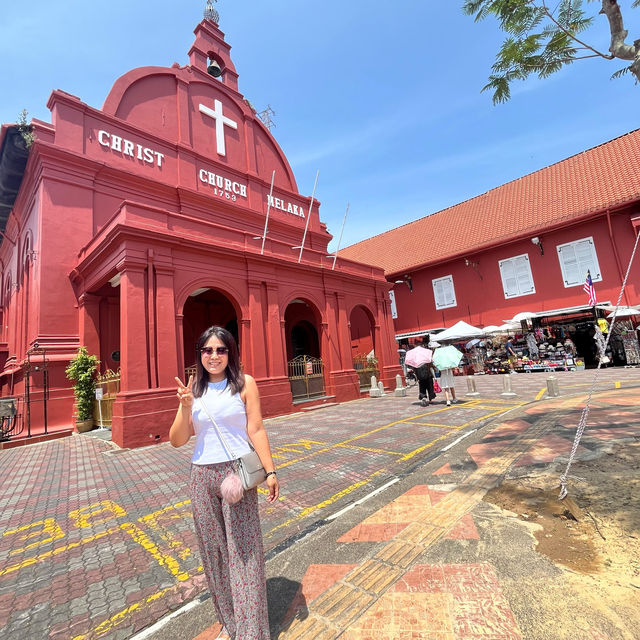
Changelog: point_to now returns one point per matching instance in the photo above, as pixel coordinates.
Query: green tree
(543, 38)
(82, 371)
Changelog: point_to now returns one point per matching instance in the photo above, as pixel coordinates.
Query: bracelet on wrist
(270, 473)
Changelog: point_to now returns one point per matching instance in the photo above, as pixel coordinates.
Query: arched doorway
(205, 307)
(361, 327)
(305, 366)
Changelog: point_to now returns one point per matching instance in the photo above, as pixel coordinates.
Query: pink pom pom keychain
(232, 489)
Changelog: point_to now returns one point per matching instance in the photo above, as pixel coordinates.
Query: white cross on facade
(221, 120)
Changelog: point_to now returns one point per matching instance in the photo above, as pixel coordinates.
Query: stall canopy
(460, 331)
(418, 334)
(624, 313)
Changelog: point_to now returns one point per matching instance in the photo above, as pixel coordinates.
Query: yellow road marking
(432, 424)
(49, 527)
(617, 384)
(329, 501)
(353, 446)
(164, 559)
(119, 617)
(55, 552)
(83, 517)
(423, 448)
(540, 393)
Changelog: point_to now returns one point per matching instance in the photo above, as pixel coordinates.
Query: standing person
(447, 385)
(511, 354)
(421, 364)
(229, 535)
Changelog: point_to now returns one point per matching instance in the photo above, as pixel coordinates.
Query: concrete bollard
(374, 391)
(381, 388)
(471, 387)
(399, 391)
(507, 390)
(552, 387)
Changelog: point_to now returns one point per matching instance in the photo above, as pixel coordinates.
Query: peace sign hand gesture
(185, 393)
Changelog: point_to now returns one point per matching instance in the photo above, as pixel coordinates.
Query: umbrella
(472, 343)
(447, 357)
(418, 356)
(624, 313)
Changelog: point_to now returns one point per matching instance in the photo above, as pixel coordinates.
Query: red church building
(525, 246)
(131, 228)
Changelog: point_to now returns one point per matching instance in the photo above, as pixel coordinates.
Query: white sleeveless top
(230, 415)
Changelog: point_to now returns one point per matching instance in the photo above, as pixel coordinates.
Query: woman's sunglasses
(208, 351)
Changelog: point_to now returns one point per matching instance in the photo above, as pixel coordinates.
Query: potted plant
(81, 370)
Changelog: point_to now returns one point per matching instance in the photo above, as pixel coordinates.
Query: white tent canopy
(624, 313)
(460, 331)
(489, 329)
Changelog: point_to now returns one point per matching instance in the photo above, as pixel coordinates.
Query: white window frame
(444, 301)
(583, 263)
(511, 285)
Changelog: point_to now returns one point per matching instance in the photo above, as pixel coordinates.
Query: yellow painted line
(329, 501)
(163, 559)
(353, 446)
(49, 527)
(617, 384)
(155, 514)
(424, 447)
(55, 552)
(119, 617)
(84, 517)
(434, 424)
(540, 393)
(338, 444)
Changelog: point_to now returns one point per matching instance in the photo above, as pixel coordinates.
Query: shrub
(82, 370)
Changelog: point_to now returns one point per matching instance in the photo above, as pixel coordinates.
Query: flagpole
(335, 255)
(266, 221)
(306, 226)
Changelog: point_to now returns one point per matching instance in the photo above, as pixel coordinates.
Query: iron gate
(306, 377)
(110, 383)
(365, 368)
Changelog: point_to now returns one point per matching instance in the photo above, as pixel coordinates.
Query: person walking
(229, 535)
(419, 360)
(447, 385)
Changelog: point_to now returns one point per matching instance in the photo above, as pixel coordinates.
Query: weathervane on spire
(210, 13)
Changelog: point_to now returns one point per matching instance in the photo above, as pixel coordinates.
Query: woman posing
(229, 535)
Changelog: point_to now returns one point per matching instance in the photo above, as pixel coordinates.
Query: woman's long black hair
(235, 377)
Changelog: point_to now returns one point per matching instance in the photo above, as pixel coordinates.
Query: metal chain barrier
(585, 412)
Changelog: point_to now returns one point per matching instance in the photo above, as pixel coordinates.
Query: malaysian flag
(590, 290)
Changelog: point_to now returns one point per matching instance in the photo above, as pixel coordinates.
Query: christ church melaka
(132, 228)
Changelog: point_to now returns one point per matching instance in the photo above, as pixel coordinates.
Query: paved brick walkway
(97, 542)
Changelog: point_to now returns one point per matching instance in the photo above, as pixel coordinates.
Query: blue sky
(383, 98)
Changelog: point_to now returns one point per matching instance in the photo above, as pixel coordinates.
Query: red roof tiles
(591, 181)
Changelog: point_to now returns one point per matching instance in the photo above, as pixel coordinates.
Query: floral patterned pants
(230, 542)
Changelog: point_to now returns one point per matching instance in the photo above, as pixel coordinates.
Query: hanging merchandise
(532, 346)
(600, 345)
(604, 325)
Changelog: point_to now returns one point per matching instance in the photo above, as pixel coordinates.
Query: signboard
(99, 393)
(309, 368)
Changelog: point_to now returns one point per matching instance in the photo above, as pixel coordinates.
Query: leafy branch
(540, 41)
